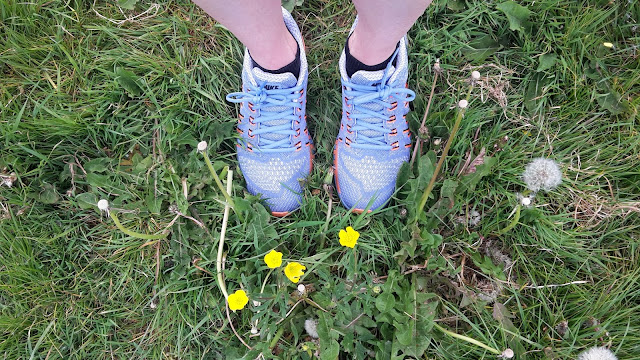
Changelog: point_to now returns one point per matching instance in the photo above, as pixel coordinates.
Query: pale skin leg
(258, 25)
(381, 24)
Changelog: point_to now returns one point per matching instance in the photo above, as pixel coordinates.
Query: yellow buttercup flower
(273, 259)
(238, 300)
(349, 237)
(294, 270)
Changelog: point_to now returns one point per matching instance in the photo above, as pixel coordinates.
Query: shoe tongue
(372, 78)
(274, 81)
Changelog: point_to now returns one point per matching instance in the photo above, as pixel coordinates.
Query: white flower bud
(301, 289)
(254, 331)
(463, 104)
(256, 303)
(475, 75)
(437, 141)
(103, 205)
(526, 201)
(202, 146)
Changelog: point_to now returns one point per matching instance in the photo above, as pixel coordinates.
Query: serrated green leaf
(480, 48)
(97, 165)
(517, 15)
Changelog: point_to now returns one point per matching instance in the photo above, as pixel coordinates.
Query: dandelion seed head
(103, 205)
(507, 354)
(475, 75)
(597, 353)
(526, 201)
(301, 289)
(542, 174)
(202, 146)
(463, 104)
(311, 327)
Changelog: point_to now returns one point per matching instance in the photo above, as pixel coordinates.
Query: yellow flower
(349, 237)
(238, 300)
(294, 270)
(273, 259)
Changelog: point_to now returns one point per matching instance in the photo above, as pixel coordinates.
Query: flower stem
(226, 194)
(513, 222)
(355, 264)
(119, 225)
(225, 219)
(467, 339)
(264, 283)
(445, 151)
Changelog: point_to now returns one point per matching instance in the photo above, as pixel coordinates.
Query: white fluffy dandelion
(311, 326)
(526, 201)
(202, 146)
(542, 174)
(103, 205)
(462, 104)
(597, 353)
(475, 75)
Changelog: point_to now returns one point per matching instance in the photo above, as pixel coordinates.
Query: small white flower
(202, 146)
(475, 75)
(542, 174)
(256, 303)
(301, 289)
(310, 326)
(254, 331)
(526, 201)
(608, 44)
(597, 353)
(103, 205)
(437, 141)
(463, 104)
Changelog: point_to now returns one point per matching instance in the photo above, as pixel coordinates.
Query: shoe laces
(368, 102)
(277, 112)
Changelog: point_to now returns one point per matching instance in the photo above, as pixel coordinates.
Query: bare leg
(258, 25)
(381, 24)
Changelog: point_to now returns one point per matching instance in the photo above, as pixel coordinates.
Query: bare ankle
(276, 54)
(367, 51)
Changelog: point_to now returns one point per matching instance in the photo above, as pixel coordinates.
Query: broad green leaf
(517, 14)
(455, 5)
(87, 200)
(547, 61)
(128, 81)
(480, 48)
(469, 182)
(48, 195)
(331, 351)
(532, 97)
(127, 4)
(97, 165)
(611, 102)
(385, 302)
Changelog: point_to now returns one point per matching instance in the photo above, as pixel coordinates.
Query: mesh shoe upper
(274, 146)
(374, 138)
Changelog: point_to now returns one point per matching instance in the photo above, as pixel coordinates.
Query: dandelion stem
(445, 151)
(226, 194)
(355, 265)
(513, 222)
(225, 219)
(424, 119)
(119, 225)
(467, 339)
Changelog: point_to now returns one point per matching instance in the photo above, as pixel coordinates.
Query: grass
(92, 108)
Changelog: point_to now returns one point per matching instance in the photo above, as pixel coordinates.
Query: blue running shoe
(374, 138)
(274, 146)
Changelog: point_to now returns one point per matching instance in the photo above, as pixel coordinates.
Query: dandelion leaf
(470, 181)
(455, 5)
(127, 4)
(481, 48)
(532, 97)
(86, 200)
(128, 81)
(517, 15)
(546, 61)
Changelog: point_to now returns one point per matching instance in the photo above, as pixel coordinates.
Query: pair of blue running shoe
(275, 150)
